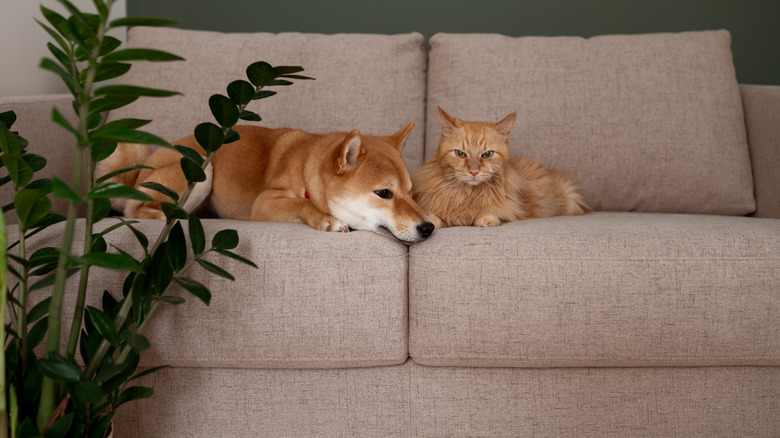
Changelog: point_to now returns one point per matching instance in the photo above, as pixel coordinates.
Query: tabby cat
(472, 179)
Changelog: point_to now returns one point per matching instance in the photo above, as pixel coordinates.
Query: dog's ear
(504, 127)
(349, 151)
(448, 123)
(400, 137)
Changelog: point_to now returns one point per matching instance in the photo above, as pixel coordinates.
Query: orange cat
(472, 180)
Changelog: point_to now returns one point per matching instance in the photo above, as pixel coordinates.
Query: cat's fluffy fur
(472, 179)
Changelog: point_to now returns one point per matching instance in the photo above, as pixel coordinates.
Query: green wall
(754, 24)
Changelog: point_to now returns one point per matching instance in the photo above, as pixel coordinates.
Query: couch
(656, 314)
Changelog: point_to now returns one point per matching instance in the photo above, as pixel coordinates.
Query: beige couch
(658, 314)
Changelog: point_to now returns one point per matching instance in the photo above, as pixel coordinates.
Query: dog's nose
(425, 229)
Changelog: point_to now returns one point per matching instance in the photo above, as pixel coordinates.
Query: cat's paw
(487, 220)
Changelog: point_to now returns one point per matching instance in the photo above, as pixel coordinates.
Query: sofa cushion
(604, 289)
(318, 300)
(374, 83)
(646, 122)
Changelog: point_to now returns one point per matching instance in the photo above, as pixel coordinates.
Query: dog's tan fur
(266, 175)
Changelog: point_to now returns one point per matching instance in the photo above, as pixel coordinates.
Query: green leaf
(102, 150)
(173, 300)
(60, 369)
(60, 55)
(195, 288)
(31, 207)
(225, 239)
(118, 190)
(133, 91)
(177, 247)
(48, 64)
(104, 326)
(36, 162)
(125, 135)
(260, 73)
(54, 34)
(287, 69)
(111, 70)
(216, 270)
(279, 82)
(127, 123)
(136, 341)
(101, 209)
(110, 175)
(9, 142)
(190, 153)
(249, 116)
(241, 92)
(172, 211)
(8, 118)
(235, 256)
(134, 54)
(262, 94)
(157, 187)
(133, 393)
(89, 392)
(58, 118)
(61, 25)
(149, 371)
(231, 136)
(116, 262)
(308, 78)
(61, 190)
(197, 235)
(109, 103)
(37, 332)
(209, 137)
(61, 427)
(38, 311)
(140, 21)
(20, 172)
(192, 171)
(224, 110)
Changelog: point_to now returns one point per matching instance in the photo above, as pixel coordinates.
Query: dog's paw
(330, 223)
(149, 213)
(487, 220)
(437, 223)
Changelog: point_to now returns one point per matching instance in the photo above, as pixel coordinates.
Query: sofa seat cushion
(649, 123)
(604, 289)
(317, 300)
(374, 83)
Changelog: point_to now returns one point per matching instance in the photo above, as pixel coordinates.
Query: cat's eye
(384, 193)
(487, 154)
(459, 153)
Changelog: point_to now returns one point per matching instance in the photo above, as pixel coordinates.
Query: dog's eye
(384, 193)
(459, 153)
(487, 154)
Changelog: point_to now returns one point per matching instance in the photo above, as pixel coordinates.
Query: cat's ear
(349, 152)
(400, 137)
(447, 123)
(504, 127)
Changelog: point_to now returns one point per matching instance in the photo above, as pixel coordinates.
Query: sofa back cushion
(374, 83)
(645, 122)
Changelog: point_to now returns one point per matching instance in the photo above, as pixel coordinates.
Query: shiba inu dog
(333, 182)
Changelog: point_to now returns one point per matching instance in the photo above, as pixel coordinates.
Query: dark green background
(754, 24)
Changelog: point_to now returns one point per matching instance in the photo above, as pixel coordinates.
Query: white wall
(23, 45)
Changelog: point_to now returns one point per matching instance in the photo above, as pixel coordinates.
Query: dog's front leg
(276, 205)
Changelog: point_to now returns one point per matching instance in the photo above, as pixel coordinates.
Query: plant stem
(3, 291)
(21, 328)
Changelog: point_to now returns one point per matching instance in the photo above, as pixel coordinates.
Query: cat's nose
(425, 229)
(473, 172)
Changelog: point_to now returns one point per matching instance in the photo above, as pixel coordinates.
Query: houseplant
(49, 393)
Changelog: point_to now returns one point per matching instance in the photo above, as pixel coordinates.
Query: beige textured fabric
(416, 401)
(645, 122)
(605, 289)
(374, 83)
(33, 122)
(762, 116)
(318, 300)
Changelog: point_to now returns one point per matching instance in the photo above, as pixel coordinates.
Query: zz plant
(48, 392)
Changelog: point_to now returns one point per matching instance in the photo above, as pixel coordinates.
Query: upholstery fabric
(416, 401)
(762, 119)
(604, 289)
(648, 123)
(318, 300)
(374, 83)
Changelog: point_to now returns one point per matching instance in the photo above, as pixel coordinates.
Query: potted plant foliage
(73, 391)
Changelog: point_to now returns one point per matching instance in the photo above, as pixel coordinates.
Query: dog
(332, 182)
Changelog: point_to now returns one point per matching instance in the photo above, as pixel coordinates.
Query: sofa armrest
(762, 118)
(33, 122)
